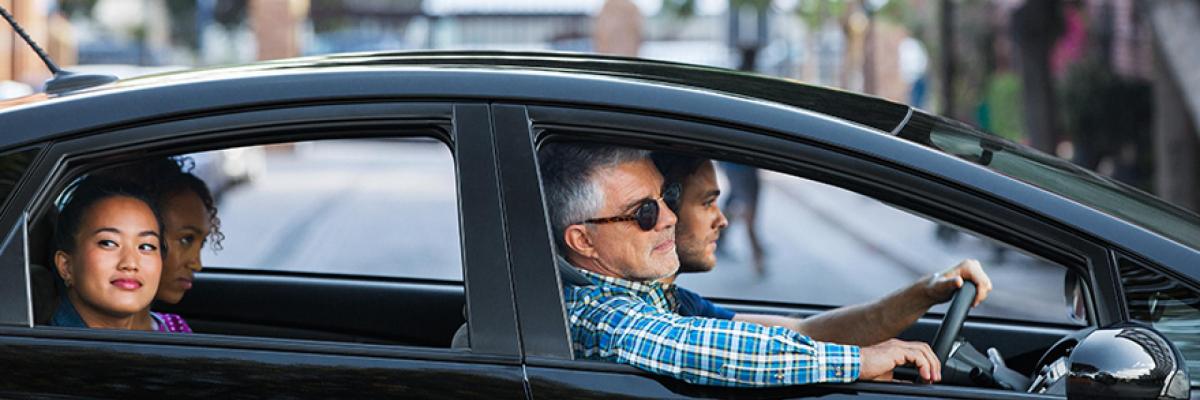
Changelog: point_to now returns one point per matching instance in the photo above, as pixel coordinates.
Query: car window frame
(38, 150)
(468, 131)
(1137, 263)
(821, 161)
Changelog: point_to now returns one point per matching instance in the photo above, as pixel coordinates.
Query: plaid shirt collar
(658, 294)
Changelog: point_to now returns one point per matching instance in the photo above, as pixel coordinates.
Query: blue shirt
(691, 304)
(65, 314)
(635, 323)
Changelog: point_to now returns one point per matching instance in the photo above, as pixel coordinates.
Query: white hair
(570, 178)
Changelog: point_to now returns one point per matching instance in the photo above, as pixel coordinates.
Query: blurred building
(18, 62)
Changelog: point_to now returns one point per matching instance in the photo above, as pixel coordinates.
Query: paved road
(829, 246)
(373, 208)
(388, 208)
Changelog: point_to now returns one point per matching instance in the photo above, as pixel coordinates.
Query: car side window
(354, 207)
(1172, 308)
(826, 246)
(325, 240)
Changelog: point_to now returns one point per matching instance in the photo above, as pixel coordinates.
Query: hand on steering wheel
(952, 323)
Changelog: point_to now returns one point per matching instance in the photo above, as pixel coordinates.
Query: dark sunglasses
(671, 194)
(646, 214)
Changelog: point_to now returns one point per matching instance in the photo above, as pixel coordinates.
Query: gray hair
(568, 181)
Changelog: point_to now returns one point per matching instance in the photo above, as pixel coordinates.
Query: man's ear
(62, 263)
(579, 240)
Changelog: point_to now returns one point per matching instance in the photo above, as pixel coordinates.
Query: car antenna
(63, 81)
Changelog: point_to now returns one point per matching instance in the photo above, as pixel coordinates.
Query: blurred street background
(1108, 84)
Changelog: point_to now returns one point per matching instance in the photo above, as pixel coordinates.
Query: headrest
(569, 276)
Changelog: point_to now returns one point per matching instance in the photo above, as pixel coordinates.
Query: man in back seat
(694, 183)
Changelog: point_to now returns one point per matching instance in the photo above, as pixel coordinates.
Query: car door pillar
(485, 258)
(540, 304)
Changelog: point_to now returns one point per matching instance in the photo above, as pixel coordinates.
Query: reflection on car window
(359, 207)
(1065, 179)
(1172, 308)
(828, 246)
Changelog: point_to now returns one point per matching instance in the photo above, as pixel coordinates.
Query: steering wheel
(947, 333)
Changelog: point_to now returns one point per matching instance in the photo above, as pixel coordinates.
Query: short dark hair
(572, 194)
(85, 193)
(676, 169)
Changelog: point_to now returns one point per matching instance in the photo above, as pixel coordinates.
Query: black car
(1129, 263)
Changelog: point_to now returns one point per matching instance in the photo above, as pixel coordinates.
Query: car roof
(865, 110)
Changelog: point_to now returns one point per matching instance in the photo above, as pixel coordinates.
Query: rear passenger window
(353, 207)
(327, 240)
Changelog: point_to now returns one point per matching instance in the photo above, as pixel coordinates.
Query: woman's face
(116, 264)
(185, 221)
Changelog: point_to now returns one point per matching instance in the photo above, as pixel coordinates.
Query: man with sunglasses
(616, 241)
(699, 224)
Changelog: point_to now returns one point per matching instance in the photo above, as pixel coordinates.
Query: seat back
(567, 275)
(462, 338)
(43, 286)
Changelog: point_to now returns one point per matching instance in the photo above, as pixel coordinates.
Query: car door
(250, 354)
(551, 368)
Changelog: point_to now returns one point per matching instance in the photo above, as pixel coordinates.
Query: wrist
(924, 291)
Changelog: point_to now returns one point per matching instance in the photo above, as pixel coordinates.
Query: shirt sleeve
(704, 351)
(692, 304)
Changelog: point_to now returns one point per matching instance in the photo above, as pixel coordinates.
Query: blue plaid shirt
(636, 323)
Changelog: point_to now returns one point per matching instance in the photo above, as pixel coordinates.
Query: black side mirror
(1127, 361)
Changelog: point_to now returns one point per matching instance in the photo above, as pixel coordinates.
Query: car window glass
(827, 246)
(319, 240)
(12, 167)
(1068, 180)
(358, 207)
(1172, 309)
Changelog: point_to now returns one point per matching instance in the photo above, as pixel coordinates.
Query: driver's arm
(883, 319)
(624, 329)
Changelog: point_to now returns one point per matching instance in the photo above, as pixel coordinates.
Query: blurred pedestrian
(618, 29)
(742, 205)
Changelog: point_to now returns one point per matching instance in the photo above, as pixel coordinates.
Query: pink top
(171, 323)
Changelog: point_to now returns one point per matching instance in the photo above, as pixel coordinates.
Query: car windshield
(1056, 175)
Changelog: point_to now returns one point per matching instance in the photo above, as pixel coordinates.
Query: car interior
(1022, 351)
(282, 304)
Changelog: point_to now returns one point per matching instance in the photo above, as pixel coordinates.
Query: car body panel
(55, 362)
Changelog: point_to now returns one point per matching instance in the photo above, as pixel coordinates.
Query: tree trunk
(1175, 147)
(946, 34)
(1036, 26)
(1176, 139)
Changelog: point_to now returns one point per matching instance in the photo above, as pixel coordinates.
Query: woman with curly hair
(189, 216)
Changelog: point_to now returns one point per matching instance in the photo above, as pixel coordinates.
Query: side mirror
(1127, 361)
